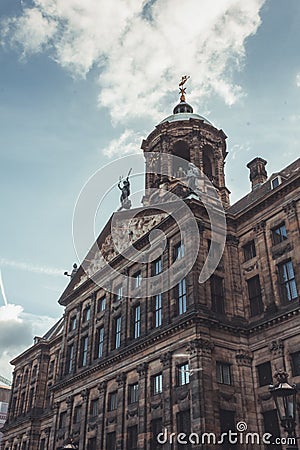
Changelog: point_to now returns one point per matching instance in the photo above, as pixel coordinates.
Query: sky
(82, 83)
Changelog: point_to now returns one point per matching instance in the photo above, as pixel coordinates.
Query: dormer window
(275, 182)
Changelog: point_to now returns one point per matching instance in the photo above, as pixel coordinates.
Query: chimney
(258, 173)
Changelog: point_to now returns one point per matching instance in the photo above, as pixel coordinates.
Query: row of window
(264, 370)
(179, 252)
(278, 234)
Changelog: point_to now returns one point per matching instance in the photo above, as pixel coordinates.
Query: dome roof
(185, 116)
(184, 111)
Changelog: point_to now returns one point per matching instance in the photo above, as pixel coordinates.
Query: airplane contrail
(2, 290)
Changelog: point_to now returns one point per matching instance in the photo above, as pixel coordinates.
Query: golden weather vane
(184, 79)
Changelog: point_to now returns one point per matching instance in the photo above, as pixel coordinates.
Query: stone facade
(119, 369)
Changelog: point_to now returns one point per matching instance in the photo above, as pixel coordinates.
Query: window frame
(99, 342)
(157, 310)
(217, 295)
(255, 296)
(136, 321)
(249, 250)
(133, 393)
(181, 297)
(289, 286)
(221, 376)
(156, 383)
(183, 374)
(279, 233)
(264, 379)
(112, 402)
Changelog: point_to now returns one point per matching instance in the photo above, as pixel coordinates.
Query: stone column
(53, 433)
(290, 210)
(265, 276)
(142, 370)
(201, 387)
(234, 277)
(102, 388)
(69, 401)
(246, 407)
(120, 428)
(84, 416)
(166, 361)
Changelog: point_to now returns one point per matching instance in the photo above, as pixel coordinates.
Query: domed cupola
(191, 139)
(183, 107)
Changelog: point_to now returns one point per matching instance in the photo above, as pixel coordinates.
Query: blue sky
(82, 84)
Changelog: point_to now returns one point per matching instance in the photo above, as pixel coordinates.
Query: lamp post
(284, 395)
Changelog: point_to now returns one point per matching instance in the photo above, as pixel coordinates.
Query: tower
(194, 139)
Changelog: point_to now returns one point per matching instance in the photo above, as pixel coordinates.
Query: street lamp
(284, 395)
(70, 446)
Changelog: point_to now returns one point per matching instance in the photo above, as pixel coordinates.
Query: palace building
(119, 368)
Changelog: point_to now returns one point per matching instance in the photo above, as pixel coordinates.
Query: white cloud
(298, 79)
(129, 142)
(141, 56)
(30, 267)
(17, 330)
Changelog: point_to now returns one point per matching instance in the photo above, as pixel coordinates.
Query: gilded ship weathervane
(184, 79)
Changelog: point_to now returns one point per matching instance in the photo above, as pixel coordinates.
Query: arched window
(180, 149)
(208, 168)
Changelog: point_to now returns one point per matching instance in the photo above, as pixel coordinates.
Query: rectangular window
(119, 294)
(118, 331)
(132, 437)
(264, 372)
(156, 384)
(77, 414)
(158, 310)
(70, 358)
(42, 444)
(179, 251)
(92, 444)
(271, 426)
(99, 342)
(157, 266)
(287, 281)
(254, 293)
(86, 315)
(136, 321)
(296, 363)
(156, 427)
(223, 373)
(181, 297)
(133, 393)
(94, 408)
(111, 441)
(183, 376)
(279, 234)
(83, 351)
(73, 323)
(217, 294)
(31, 396)
(62, 420)
(249, 250)
(112, 401)
(101, 304)
(183, 420)
(137, 279)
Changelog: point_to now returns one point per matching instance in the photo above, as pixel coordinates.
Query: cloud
(30, 267)
(17, 330)
(298, 79)
(141, 48)
(129, 142)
